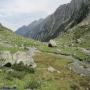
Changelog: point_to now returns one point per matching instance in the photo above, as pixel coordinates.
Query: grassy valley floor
(59, 58)
(42, 79)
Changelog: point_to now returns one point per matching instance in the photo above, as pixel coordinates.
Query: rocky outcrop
(6, 58)
(25, 58)
(65, 17)
(52, 43)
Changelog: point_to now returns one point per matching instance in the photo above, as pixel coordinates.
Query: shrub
(33, 84)
(16, 74)
(74, 86)
(22, 67)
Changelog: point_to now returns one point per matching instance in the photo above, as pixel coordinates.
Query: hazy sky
(15, 13)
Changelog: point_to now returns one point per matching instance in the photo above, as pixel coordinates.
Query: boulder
(52, 43)
(51, 69)
(7, 59)
(25, 58)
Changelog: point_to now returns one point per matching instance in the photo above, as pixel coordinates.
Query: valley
(48, 54)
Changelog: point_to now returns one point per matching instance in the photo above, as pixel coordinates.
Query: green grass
(56, 57)
(12, 42)
(68, 42)
(42, 79)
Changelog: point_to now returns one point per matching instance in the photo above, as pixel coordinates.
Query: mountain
(26, 64)
(65, 17)
(30, 29)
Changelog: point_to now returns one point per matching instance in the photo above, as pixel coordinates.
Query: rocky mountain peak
(65, 17)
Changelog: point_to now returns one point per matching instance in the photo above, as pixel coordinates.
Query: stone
(52, 43)
(58, 72)
(82, 74)
(7, 59)
(25, 58)
(51, 69)
(79, 40)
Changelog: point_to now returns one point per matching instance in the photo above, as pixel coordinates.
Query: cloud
(15, 13)
(24, 6)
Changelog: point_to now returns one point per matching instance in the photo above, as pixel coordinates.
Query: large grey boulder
(5, 57)
(52, 43)
(25, 57)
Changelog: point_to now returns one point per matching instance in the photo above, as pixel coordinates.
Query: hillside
(52, 72)
(27, 64)
(65, 17)
(10, 41)
(30, 29)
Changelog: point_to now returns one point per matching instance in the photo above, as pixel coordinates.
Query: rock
(85, 51)
(58, 50)
(70, 68)
(52, 43)
(34, 65)
(24, 57)
(58, 72)
(7, 59)
(82, 74)
(79, 40)
(51, 69)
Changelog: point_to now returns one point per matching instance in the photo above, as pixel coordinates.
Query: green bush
(16, 74)
(22, 67)
(33, 84)
(74, 87)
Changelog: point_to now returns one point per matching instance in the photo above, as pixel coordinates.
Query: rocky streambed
(80, 67)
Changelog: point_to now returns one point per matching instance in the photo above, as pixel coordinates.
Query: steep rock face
(65, 17)
(30, 29)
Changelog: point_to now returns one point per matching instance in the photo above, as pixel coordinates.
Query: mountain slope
(10, 41)
(65, 17)
(30, 29)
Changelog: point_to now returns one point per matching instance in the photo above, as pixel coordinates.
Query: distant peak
(0, 24)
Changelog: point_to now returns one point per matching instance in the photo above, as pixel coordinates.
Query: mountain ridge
(65, 17)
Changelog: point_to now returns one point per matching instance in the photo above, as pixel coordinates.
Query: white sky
(15, 13)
